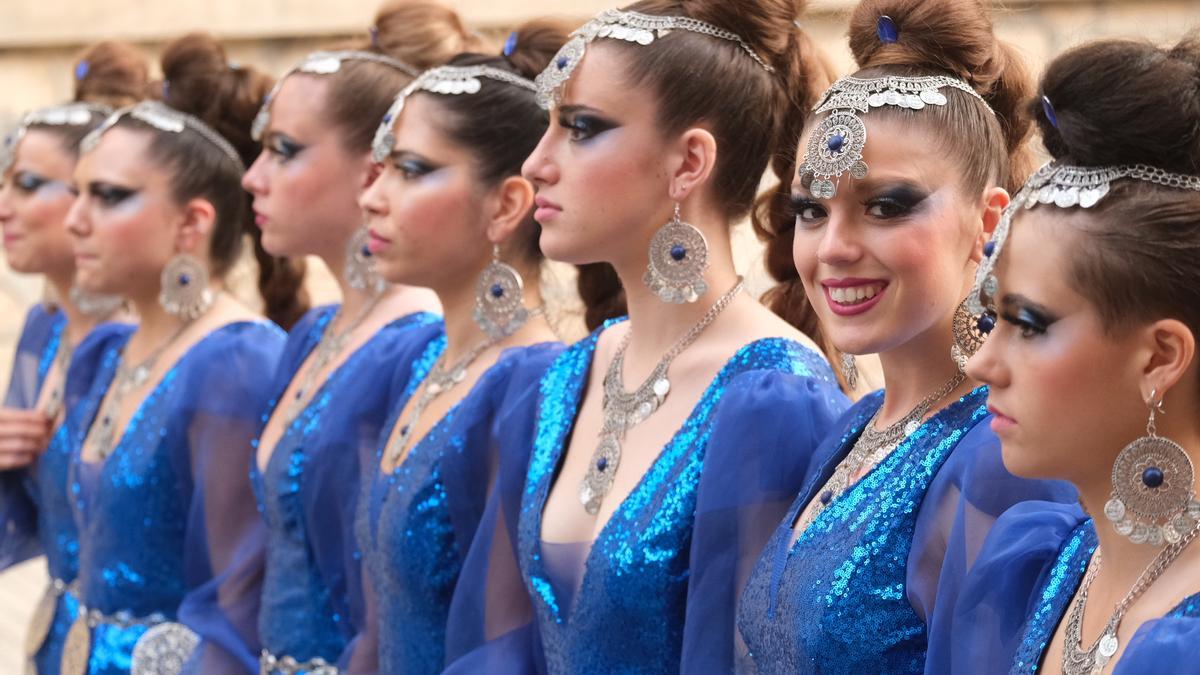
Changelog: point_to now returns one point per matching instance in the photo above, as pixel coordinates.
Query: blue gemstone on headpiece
(989, 248)
(602, 464)
(497, 291)
(81, 69)
(678, 252)
(836, 142)
(985, 323)
(1152, 477)
(1048, 109)
(510, 45)
(886, 29)
(387, 118)
(562, 62)
(184, 279)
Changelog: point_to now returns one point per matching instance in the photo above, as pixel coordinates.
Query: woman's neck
(79, 324)
(916, 369)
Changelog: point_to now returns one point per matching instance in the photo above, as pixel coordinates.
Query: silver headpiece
(445, 80)
(1063, 186)
(322, 63)
(164, 118)
(836, 145)
(634, 27)
(69, 115)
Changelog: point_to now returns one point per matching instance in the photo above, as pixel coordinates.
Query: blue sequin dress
(1020, 590)
(417, 523)
(35, 510)
(869, 585)
(164, 519)
(312, 590)
(657, 590)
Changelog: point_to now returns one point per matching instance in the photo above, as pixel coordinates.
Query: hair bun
(1121, 102)
(421, 33)
(198, 79)
(112, 74)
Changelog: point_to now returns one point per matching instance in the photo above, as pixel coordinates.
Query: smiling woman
(901, 176)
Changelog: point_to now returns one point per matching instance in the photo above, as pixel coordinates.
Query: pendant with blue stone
(600, 474)
(678, 261)
(834, 149)
(1152, 501)
(499, 301)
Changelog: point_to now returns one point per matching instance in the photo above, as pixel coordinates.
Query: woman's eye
(583, 127)
(284, 149)
(28, 182)
(1027, 324)
(807, 210)
(411, 169)
(110, 195)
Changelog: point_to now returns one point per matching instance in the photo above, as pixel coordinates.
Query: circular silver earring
(849, 369)
(1153, 498)
(678, 261)
(499, 299)
(184, 292)
(969, 335)
(360, 270)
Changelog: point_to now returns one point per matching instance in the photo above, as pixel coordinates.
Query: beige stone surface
(40, 38)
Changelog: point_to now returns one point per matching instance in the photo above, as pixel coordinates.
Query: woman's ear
(995, 200)
(507, 208)
(693, 159)
(199, 219)
(1170, 348)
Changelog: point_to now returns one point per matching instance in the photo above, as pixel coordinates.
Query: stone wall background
(40, 39)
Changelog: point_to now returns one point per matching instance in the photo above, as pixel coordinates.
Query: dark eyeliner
(897, 201)
(110, 195)
(28, 182)
(583, 126)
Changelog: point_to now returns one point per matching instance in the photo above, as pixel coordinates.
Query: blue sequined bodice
(408, 542)
(308, 489)
(628, 613)
(836, 600)
(1055, 595)
(56, 523)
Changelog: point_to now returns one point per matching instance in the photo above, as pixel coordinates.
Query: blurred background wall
(40, 40)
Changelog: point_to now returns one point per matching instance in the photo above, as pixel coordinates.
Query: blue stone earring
(678, 261)
(184, 290)
(360, 270)
(1153, 498)
(500, 299)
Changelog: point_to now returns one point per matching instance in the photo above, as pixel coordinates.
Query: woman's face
(889, 258)
(125, 220)
(305, 183)
(426, 211)
(1062, 388)
(601, 170)
(35, 196)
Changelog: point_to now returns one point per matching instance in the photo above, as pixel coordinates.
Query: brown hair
(199, 80)
(502, 123)
(420, 33)
(1125, 102)
(107, 75)
(755, 116)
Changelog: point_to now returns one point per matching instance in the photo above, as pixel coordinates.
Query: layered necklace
(441, 379)
(329, 347)
(624, 410)
(874, 445)
(1078, 661)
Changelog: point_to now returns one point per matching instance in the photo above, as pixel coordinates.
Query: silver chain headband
(69, 115)
(164, 118)
(836, 145)
(1063, 186)
(635, 27)
(445, 80)
(322, 63)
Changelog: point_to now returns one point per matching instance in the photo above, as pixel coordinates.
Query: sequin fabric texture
(628, 614)
(1055, 595)
(144, 517)
(836, 600)
(309, 488)
(407, 539)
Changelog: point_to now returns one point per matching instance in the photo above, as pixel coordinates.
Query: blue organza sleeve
(25, 380)
(763, 437)
(1162, 645)
(18, 498)
(224, 394)
(999, 592)
(968, 494)
(490, 623)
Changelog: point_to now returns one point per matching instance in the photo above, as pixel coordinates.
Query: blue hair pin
(887, 31)
(81, 69)
(1048, 109)
(374, 31)
(510, 45)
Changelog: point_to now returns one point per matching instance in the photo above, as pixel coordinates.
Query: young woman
(451, 211)
(1094, 379)
(160, 506)
(901, 175)
(35, 195)
(333, 390)
(642, 506)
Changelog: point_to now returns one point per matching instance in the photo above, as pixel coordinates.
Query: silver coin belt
(121, 619)
(270, 664)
